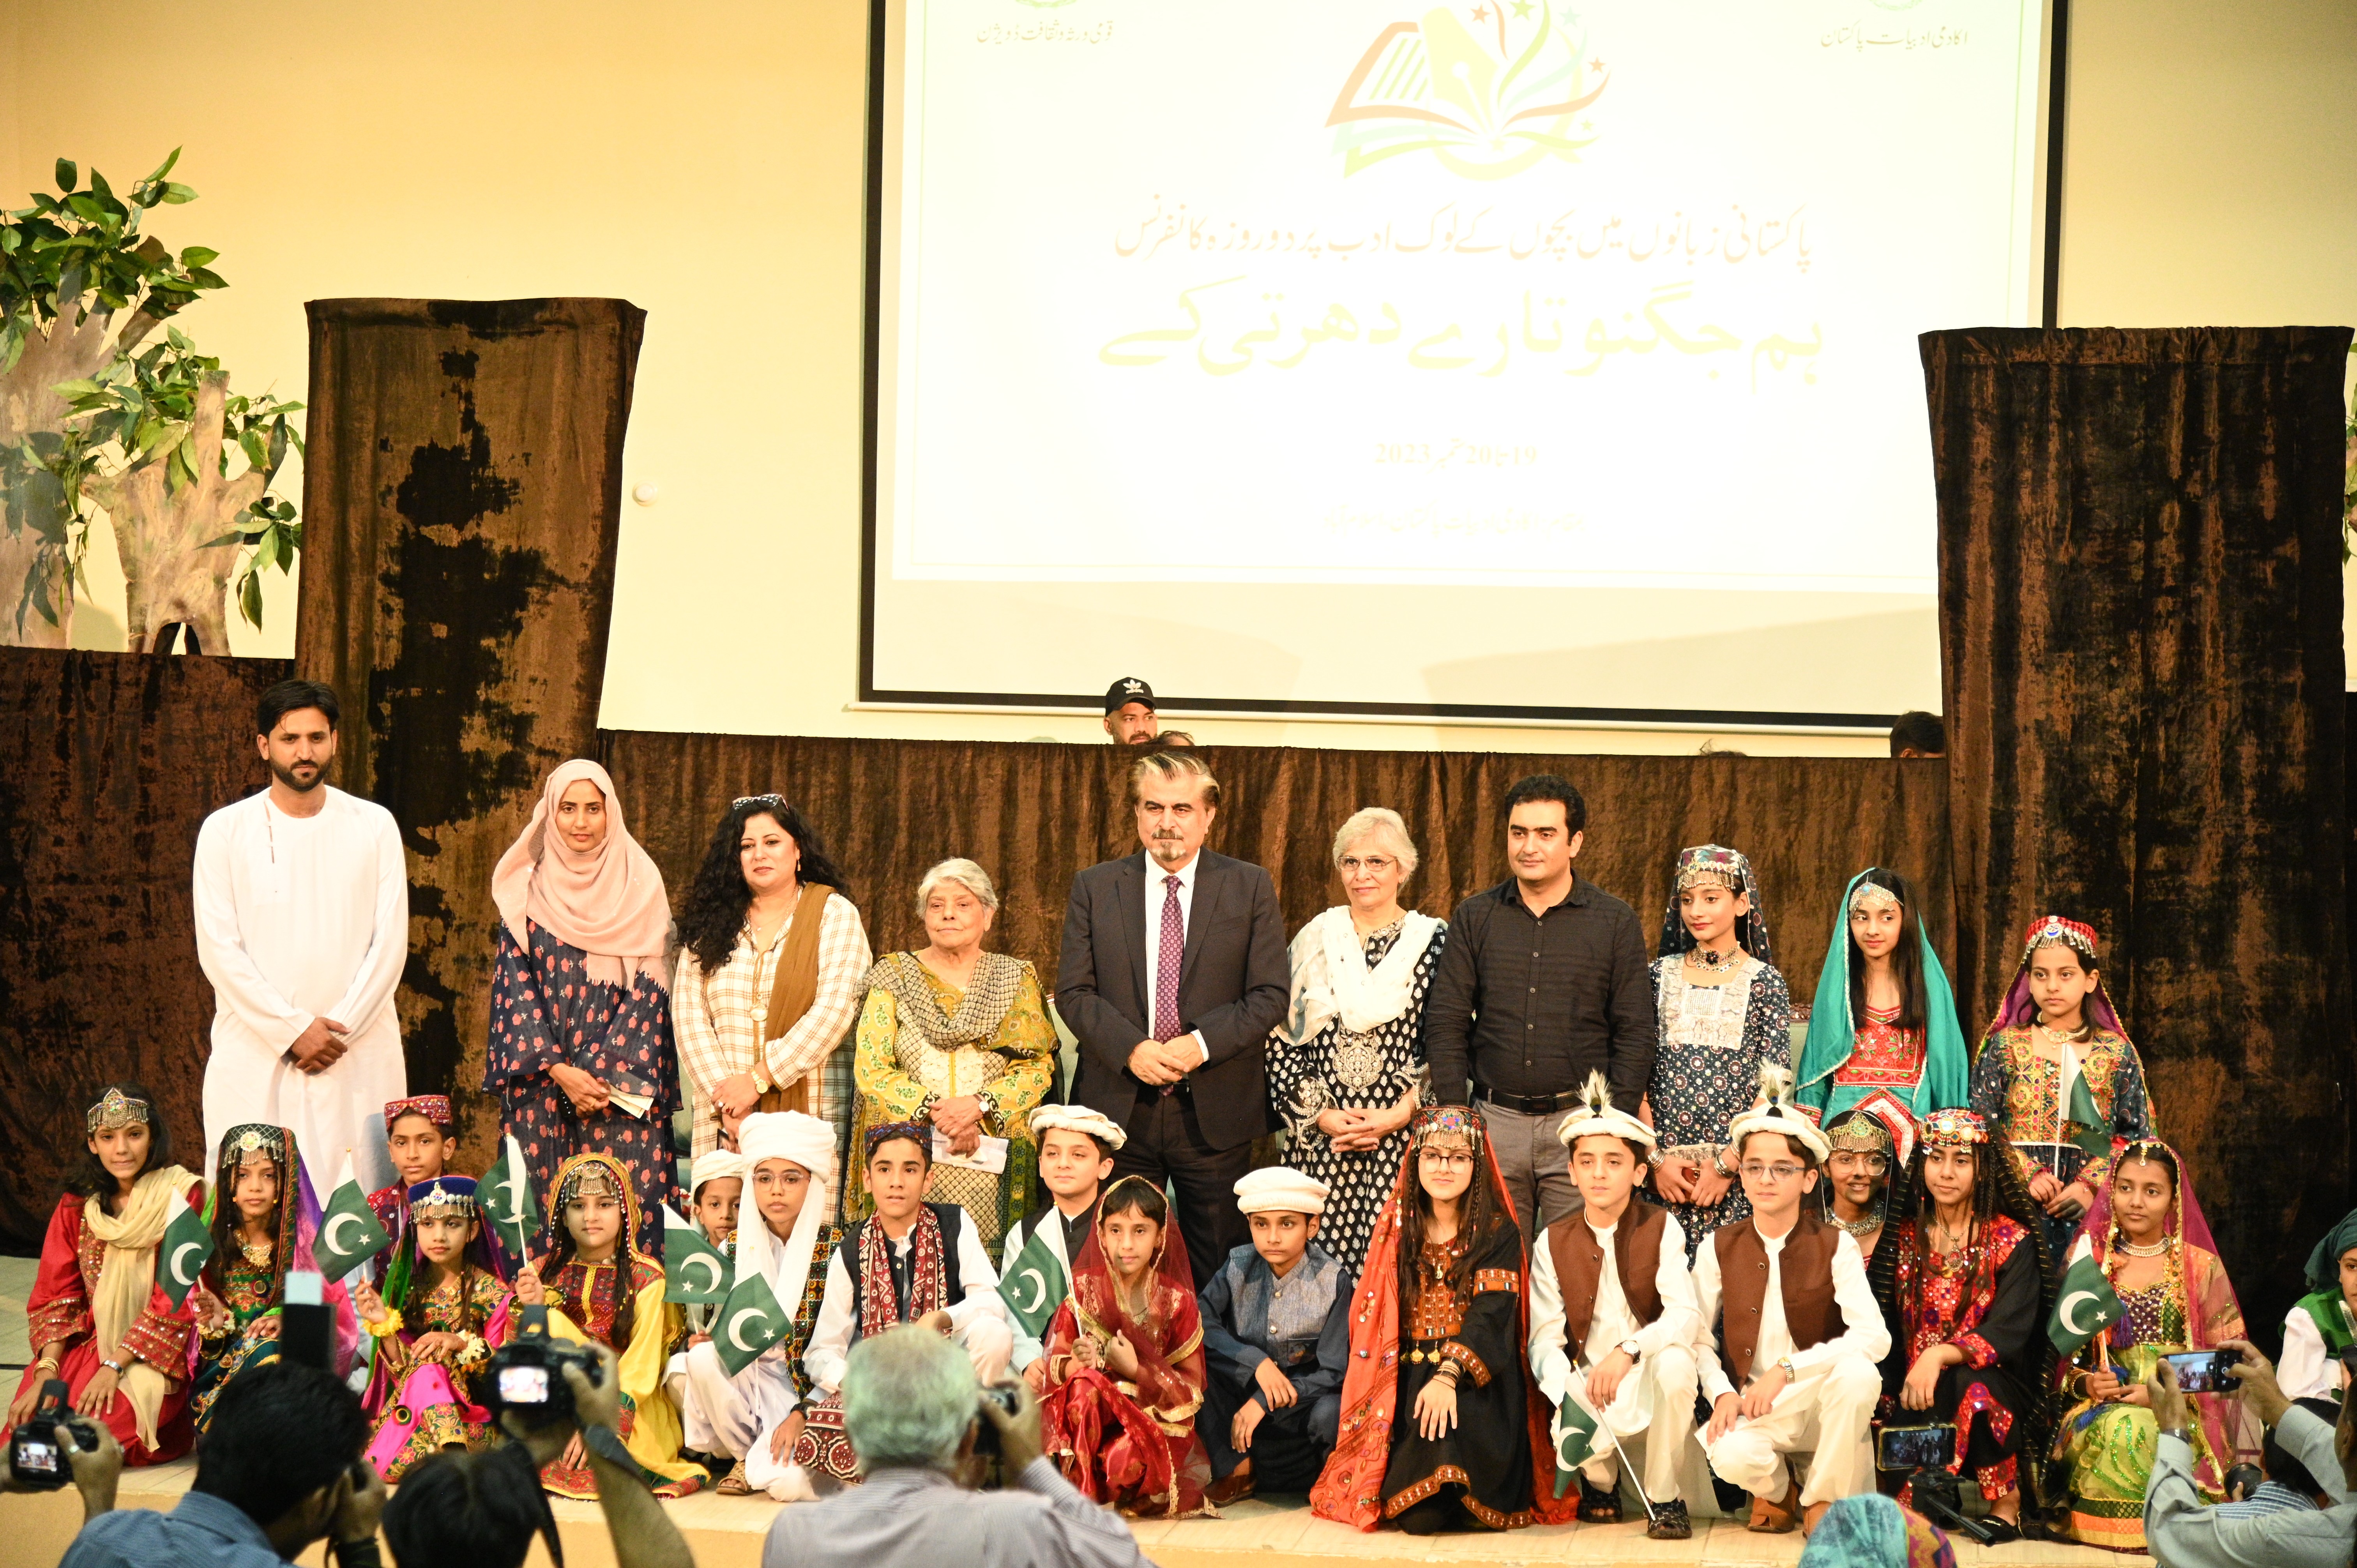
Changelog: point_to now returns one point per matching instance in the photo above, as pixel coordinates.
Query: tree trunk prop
(178, 547)
(35, 540)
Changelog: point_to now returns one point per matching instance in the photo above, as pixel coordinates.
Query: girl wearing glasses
(1346, 1069)
(1441, 1427)
(1867, 1145)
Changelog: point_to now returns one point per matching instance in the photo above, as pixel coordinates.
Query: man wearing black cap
(1129, 717)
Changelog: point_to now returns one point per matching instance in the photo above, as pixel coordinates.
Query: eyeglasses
(757, 800)
(1375, 864)
(1873, 1164)
(1780, 1171)
(1448, 1159)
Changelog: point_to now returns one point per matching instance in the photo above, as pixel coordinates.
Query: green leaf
(98, 183)
(199, 256)
(77, 388)
(84, 205)
(177, 339)
(266, 551)
(67, 174)
(204, 279)
(174, 194)
(162, 169)
(232, 537)
(249, 598)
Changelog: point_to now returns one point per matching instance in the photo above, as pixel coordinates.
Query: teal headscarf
(1947, 1068)
(1869, 1530)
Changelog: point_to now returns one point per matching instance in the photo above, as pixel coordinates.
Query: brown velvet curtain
(462, 501)
(109, 763)
(1032, 815)
(2141, 626)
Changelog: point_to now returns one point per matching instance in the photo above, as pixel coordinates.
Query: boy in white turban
(1276, 1340)
(1614, 1318)
(783, 1234)
(1076, 1149)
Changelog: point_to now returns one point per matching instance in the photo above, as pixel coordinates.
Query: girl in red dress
(1125, 1361)
(97, 1318)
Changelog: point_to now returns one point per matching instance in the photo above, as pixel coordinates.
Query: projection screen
(1530, 357)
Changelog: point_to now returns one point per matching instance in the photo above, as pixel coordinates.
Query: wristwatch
(1627, 1348)
(2176, 1431)
(1785, 1365)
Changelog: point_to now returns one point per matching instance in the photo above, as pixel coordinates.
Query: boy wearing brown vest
(1790, 1364)
(1613, 1316)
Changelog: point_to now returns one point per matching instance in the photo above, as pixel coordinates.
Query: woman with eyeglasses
(1346, 1069)
(1442, 1428)
(581, 1052)
(773, 962)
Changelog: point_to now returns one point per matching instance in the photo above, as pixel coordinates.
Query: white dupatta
(1331, 980)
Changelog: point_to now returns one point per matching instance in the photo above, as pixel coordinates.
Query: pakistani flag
(188, 1245)
(349, 1233)
(2094, 1128)
(1033, 1284)
(693, 1269)
(1575, 1440)
(2085, 1303)
(750, 1322)
(505, 1194)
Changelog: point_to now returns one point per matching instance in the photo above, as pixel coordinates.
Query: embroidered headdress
(254, 1137)
(915, 1131)
(115, 1110)
(1878, 1124)
(1711, 865)
(435, 1108)
(1954, 1125)
(590, 1178)
(443, 1192)
(2048, 929)
(1446, 1121)
(2019, 1009)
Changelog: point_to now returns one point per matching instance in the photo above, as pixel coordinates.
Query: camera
(34, 1458)
(1922, 1452)
(2206, 1371)
(985, 1432)
(527, 1373)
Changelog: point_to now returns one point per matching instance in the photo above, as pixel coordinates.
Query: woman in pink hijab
(581, 1053)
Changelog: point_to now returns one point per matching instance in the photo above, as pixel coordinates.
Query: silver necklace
(2147, 1248)
(1857, 1227)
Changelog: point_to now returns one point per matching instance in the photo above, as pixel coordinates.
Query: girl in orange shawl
(1441, 1426)
(1125, 1361)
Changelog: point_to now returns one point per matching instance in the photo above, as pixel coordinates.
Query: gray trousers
(1534, 1163)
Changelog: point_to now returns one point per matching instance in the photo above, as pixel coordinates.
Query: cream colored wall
(704, 161)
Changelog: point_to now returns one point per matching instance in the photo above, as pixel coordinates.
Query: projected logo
(1491, 90)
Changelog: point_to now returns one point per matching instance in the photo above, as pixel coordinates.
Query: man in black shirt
(1543, 980)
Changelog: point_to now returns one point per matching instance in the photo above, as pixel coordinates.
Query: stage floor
(728, 1532)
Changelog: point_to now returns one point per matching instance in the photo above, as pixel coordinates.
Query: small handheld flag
(1034, 1284)
(693, 1269)
(187, 1247)
(1575, 1441)
(349, 1232)
(2093, 1129)
(750, 1322)
(2084, 1305)
(506, 1196)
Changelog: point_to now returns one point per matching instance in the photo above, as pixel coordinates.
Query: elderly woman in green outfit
(958, 1038)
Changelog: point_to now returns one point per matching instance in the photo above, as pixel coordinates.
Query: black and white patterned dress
(1337, 1068)
(1714, 1039)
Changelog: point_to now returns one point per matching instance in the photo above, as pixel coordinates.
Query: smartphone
(2206, 1371)
(306, 1329)
(1915, 1447)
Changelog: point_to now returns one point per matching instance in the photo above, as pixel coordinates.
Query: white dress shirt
(1156, 875)
(2308, 1370)
(1611, 1321)
(1863, 1331)
(830, 1341)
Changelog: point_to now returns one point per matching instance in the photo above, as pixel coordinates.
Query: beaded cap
(2048, 929)
(254, 1137)
(1954, 1126)
(115, 1110)
(1446, 1121)
(443, 1192)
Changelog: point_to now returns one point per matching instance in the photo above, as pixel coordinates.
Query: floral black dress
(544, 1010)
(1714, 1040)
(1337, 1068)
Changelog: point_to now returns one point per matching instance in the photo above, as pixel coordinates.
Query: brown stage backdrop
(109, 762)
(461, 508)
(1034, 814)
(2141, 623)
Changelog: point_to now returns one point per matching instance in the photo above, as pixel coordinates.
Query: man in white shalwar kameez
(302, 913)
(789, 1166)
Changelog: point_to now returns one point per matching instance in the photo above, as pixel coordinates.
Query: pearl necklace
(2063, 1037)
(2146, 1249)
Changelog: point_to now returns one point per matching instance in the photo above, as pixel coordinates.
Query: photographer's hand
(2168, 1399)
(356, 1515)
(96, 1470)
(643, 1536)
(2257, 1375)
(1019, 1441)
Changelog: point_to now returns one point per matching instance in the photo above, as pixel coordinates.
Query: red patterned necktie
(1165, 973)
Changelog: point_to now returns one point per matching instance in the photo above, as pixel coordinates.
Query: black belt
(1528, 1104)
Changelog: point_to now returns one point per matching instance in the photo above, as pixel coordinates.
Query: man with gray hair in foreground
(913, 1412)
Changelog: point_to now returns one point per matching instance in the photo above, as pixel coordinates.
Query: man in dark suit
(1173, 974)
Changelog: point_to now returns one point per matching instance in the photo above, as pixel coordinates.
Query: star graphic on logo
(1522, 9)
(1480, 13)
(1596, 65)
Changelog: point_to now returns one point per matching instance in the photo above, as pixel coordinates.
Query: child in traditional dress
(1884, 1016)
(1442, 1428)
(1869, 1147)
(419, 1135)
(754, 1416)
(717, 1192)
(96, 1320)
(2322, 1323)
(1076, 1149)
(1277, 1338)
(1613, 1318)
(1125, 1365)
(443, 1311)
(597, 1285)
(910, 1261)
(1792, 1336)
(263, 1220)
(2055, 1030)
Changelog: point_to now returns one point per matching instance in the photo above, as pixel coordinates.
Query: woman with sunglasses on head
(773, 963)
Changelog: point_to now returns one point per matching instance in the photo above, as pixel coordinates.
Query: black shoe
(1670, 1522)
(1598, 1506)
(1733, 1500)
(2003, 1531)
